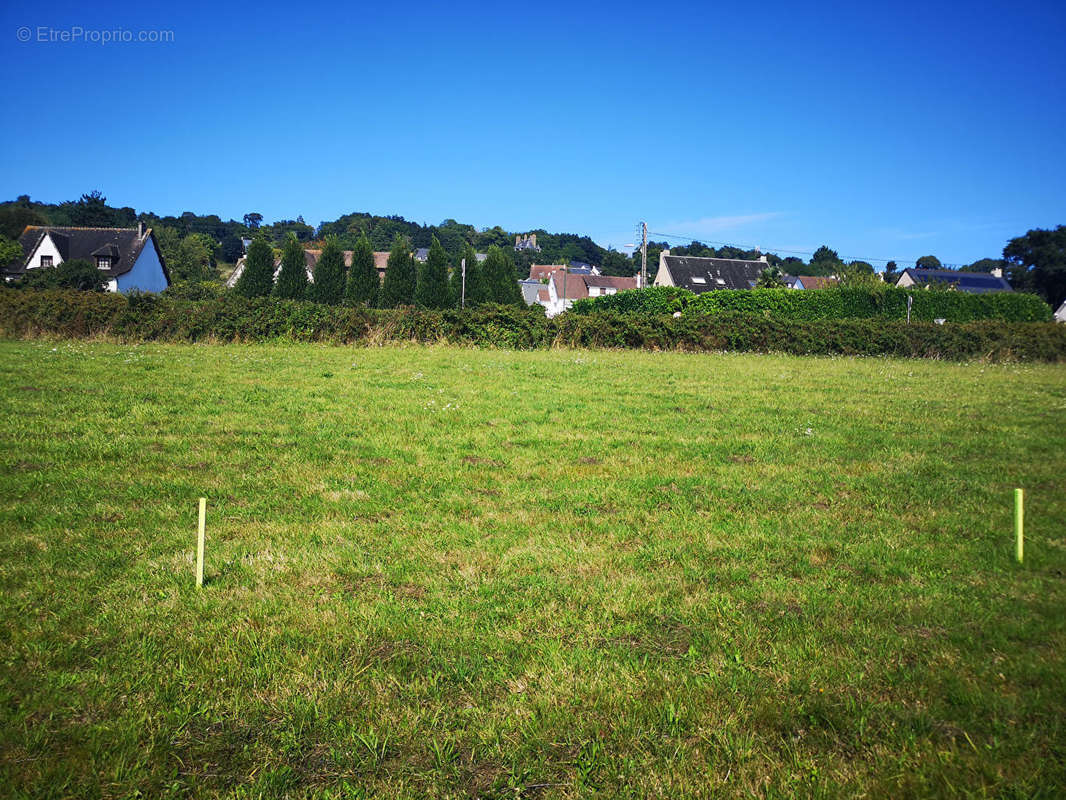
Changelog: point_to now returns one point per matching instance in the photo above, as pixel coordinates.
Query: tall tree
(891, 274)
(432, 287)
(928, 262)
(232, 248)
(363, 282)
(475, 280)
(825, 261)
(292, 280)
(1037, 262)
(253, 220)
(92, 211)
(257, 280)
(330, 274)
(398, 288)
(501, 281)
(984, 265)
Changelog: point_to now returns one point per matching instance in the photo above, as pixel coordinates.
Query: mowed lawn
(444, 572)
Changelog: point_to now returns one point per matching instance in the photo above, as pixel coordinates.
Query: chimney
(140, 230)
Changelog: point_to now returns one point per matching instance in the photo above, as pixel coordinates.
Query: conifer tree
(363, 282)
(398, 288)
(257, 279)
(475, 283)
(432, 289)
(330, 274)
(501, 280)
(292, 280)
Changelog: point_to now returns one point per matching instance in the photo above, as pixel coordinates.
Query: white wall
(147, 273)
(46, 248)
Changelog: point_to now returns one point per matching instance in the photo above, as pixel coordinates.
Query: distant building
(816, 282)
(129, 258)
(543, 272)
(1060, 312)
(422, 255)
(970, 282)
(564, 287)
(526, 242)
(530, 290)
(708, 274)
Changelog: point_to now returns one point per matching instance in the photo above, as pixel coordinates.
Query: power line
(792, 252)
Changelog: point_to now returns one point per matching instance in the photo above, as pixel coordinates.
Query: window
(700, 281)
(46, 261)
(103, 262)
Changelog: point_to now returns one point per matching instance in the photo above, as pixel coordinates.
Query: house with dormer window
(129, 257)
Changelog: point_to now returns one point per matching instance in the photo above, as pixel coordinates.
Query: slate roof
(422, 254)
(530, 290)
(817, 281)
(971, 282)
(707, 274)
(121, 245)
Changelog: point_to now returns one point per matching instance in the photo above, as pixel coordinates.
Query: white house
(130, 258)
(563, 287)
(1060, 312)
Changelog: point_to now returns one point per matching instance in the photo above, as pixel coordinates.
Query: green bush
(231, 318)
(838, 303)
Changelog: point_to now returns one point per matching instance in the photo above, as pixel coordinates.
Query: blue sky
(886, 130)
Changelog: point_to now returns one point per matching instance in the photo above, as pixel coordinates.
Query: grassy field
(436, 572)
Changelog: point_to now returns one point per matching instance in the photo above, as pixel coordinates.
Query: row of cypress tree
(431, 284)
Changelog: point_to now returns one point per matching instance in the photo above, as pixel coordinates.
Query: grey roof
(707, 274)
(970, 282)
(529, 290)
(422, 254)
(121, 245)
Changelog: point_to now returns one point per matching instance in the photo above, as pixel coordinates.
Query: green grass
(437, 572)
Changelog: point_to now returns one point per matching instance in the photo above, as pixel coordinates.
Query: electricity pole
(462, 295)
(644, 255)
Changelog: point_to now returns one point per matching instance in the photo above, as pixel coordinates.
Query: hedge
(837, 303)
(26, 313)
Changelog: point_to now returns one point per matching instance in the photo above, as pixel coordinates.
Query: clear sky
(886, 130)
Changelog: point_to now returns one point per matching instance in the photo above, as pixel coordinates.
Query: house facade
(129, 258)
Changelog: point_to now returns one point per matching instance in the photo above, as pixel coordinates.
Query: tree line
(194, 245)
(436, 283)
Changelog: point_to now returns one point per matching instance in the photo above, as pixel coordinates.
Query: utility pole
(644, 255)
(462, 295)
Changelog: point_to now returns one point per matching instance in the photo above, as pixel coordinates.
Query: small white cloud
(707, 226)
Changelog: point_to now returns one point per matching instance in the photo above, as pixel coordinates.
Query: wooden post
(200, 542)
(1019, 522)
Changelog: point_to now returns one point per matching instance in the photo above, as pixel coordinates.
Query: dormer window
(103, 262)
(46, 261)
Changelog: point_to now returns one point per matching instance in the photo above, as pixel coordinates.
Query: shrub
(837, 303)
(232, 318)
(77, 273)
